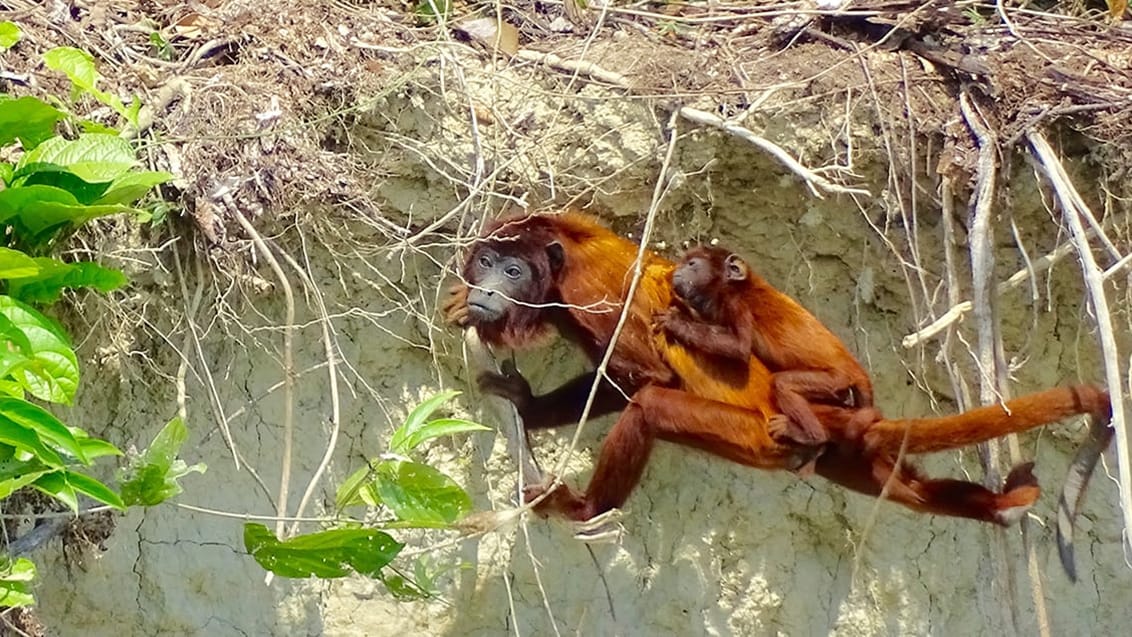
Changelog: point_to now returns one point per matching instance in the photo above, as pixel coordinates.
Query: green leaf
(26, 476)
(359, 488)
(38, 211)
(417, 419)
(15, 264)
(130, 187)
(325, 554)
(14, 578)
(46, 426)
(53, 373)
(96, 447)
(93, 157)
(76, 64)
(9, 34)
(94, 489)
(27, 119)
(24, 439)
(421, 495)
(55, 485)
(152, 477)
(438, 428)
(55, 276)
(6, 169)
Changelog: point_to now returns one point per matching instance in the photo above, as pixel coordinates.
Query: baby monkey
(731, 312)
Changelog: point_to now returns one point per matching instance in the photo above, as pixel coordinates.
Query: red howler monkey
(731, 312)
(528, 274)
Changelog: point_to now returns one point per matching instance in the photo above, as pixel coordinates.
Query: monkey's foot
(604, 528)
(1019, 492)
(561, 501)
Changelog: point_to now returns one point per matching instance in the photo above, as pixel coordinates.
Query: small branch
(1024, 275)
(813, 180)
(1072, 207)
(288, 358)
(332, 371)
(816, 183)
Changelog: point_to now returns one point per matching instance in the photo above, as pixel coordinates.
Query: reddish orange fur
(680, 396)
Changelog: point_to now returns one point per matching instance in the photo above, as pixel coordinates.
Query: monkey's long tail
(926, 435)
(1022, 413)
(1073, 492)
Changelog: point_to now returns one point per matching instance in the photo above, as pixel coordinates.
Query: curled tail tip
(1065, 543)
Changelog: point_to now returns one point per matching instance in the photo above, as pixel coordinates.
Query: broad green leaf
(48, 427)
(7, 170)
(76, 64)
(13, 338)
(53, 373)
(438, 428)
(55, 485)
(417, 419)
(83, 192)
(9, 485)
(14, 578)
(93, 157)
(9, 34)
(152, 477)
(56, 276)
(37, 211)
(324, 554)
(359, 488)
(27, 119)
(130, 187)
(24, 439)
(96, 447)
(15, 264)
(12, 388)
(14, 201)
(421, 495)
(94, 489)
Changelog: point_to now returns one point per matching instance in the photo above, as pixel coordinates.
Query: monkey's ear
(557, 255)
(736, 268)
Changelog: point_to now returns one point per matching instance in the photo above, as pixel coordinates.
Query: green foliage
(410, 493)
(15, 577)
(56, 185)
(418, 428)
(78, 66)
(429, 11)
(152, 477)
(325, 554)
(28, 119)
(9, 35)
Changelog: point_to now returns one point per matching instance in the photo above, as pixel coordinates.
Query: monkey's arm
(719, 340)
(560, 407)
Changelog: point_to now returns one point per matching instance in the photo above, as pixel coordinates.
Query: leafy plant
(78, 66)
(56, 185)
(408, 494)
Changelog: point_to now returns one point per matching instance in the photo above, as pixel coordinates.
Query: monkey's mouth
(482, 313)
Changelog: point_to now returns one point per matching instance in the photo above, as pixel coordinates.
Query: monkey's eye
(485, 261)
(513, 272)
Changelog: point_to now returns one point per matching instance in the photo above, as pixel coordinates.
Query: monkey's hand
(510, 385)
(661, 319)
(561, 501)
(455, 307)
(785, 432)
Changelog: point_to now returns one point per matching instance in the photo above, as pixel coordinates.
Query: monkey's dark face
(506, 285)
(692, 280)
